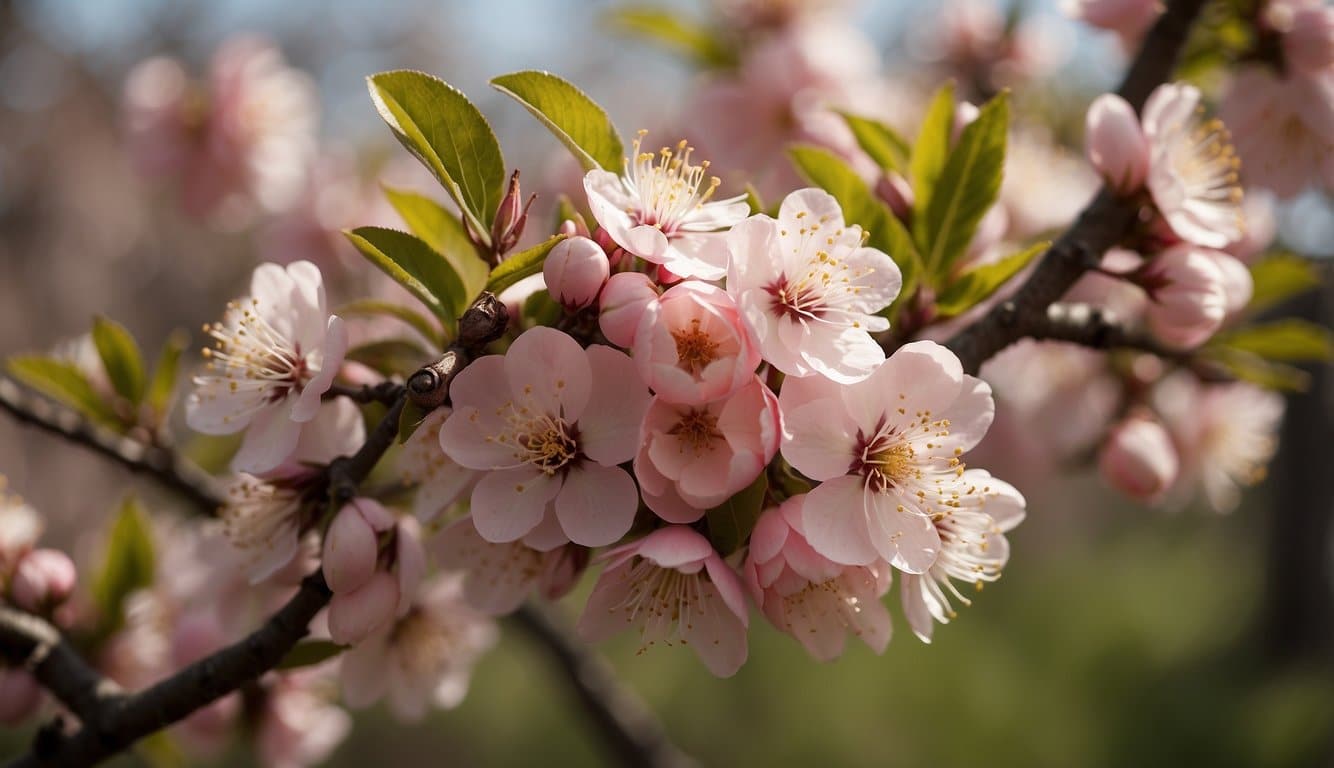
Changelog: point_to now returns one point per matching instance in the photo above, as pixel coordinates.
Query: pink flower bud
(354, 616)
(1309, 44)
(575, 271)
(1237, 283)
(43, 579)
(1116, 144)
(623, 301)
(350, 550)
(897, 194)
(1139, 459)
(510, 219)
(19, 695)
(1189, 301)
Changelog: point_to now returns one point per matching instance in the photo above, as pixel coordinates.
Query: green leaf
(414, 265)
(1278, 277)
(128, 564)
(389, 356)
(695, 41)
(1250, 367)
(163, 385)
(409, 419)
(525, 263)
(308, 653)
(580, 124)
(541, 309)
(121, 358)
(372, 307)
(438, 124)
(860, 206)
(1288, 341)
(976, 285)
(967, 188)
(444, 232)
(883, 144)
(62, 381)
(565, 211)
(932, 146)
(753, 199)
(731, 522)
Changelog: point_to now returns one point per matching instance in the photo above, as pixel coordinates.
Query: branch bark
(1099, 227)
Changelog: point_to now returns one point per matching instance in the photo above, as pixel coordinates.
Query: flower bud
(1309, 45)
(575, 271)
(43, 579)
(19, 695)
(510, 219)
(1237, 283)
(897, 194)
(622, 303)
(1139, 459)
(1116, 144)
(354, 616)
(350, 550)
(1188, 299)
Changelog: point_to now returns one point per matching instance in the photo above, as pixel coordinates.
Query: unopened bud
(484, 322)
(43, 579)
(575, 271)
(1116, 144)
(622, 303)
(1189, 301)
(1139, 459)
(897, 194)
(572, 227)
(511, 217)
(350, 551)
(354, 616)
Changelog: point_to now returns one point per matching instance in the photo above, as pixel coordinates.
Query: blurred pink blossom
(1139, 459)
(497, 578)
(692, 345)
(1283, 128)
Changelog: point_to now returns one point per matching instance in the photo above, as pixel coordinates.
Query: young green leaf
(977, 284)
(523, 264)
(1248, 366)
(372, 307)
(128, 564)
(444, 232)
(438, 124)
(62, 381)
(390, 356)
(414, 265)
(580, 124)
(1278, 277)
(409, 419)
(1290, 341)
(121, 359)
(932, 146)
(697, 42)
(308, 653)
(163, 385)
(967, 187)
(731, 522)
(880, 142)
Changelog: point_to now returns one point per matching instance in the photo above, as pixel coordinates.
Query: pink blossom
(1261, 226)
(549, 422)
(20, 527)
(1307, 29)
(973, 549)
(1283, 128)
(440, 481)
(1192, 168)
(1044, 187)
(693, 457)
(20, 695)
(1237, 282)
(886, 454)
(660, 210)
(1116, 145)
(497, 578)
(1129, 19)
(809, 290)
(1139, 459)
(671, 585)
(355, 615)
(1189, 299)
(352, 546)
(43, 579)
(277, 353)
(815, 600)
(622, 305)
(692, 345)
(575, 271)
(425, 658)
(299, 726)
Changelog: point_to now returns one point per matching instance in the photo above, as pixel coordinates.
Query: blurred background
(1119, 635)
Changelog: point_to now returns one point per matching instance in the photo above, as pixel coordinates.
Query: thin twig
(31, 643)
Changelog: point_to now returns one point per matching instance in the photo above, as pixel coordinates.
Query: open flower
(973, 549)
(425, 658)
(661, 210)
(549, 422)
(886, 452)
(1284, 128)
(809, 290)
(815, 600)
(277, 353)
(671, 585)
(693, 457)
(299, 725)
(692, 346)
(498, 577)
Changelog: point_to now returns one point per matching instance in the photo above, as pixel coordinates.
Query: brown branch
(1092, 326)
(385, 392)
(1100, 226)
(33, 644)
(630, 730)
(168, 469)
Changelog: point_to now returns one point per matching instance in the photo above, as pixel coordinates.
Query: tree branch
(186, 479)
(31, 643)
(1099, 227)
(1092, 326)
